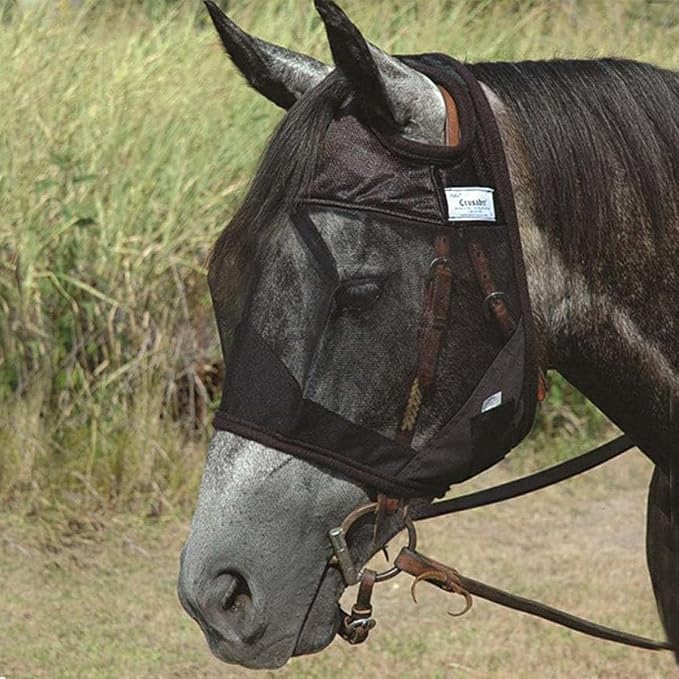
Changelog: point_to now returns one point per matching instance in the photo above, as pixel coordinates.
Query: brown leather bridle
(356, 625)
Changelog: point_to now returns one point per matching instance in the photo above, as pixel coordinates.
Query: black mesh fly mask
(454, 389)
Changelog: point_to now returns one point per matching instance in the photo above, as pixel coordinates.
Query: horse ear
(390, 91)
(281, 75)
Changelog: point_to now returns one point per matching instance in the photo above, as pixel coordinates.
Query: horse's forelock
(283, 175)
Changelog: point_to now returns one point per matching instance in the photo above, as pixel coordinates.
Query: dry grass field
(105, 606)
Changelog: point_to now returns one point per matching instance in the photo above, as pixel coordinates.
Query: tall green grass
(126, 141)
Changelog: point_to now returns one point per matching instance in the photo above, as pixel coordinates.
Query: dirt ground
(106, 606)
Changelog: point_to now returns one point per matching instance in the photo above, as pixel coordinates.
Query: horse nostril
(223, 606)
(236, 594)
(230, 610)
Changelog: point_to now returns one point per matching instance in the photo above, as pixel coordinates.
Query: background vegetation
(126, 141)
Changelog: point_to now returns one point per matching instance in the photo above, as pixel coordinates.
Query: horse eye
(355, 296)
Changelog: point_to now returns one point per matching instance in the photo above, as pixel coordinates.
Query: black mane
(602, 141)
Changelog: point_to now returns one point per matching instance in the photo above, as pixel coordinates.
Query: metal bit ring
(342, 557)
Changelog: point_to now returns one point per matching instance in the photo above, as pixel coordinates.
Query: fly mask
(475, 311)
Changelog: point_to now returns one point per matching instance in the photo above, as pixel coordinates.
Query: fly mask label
(417, 433)
(470, 204)
(492, 402)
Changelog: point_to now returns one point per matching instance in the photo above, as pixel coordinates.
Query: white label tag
(470, 204)
(492, 402)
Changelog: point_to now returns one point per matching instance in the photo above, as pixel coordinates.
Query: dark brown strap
(363, 605)
(355, 626)
(434, 322)
(448, 579)
(527, 484)
(437, 306)
(542, 386)
(386, 506)
(495, 302)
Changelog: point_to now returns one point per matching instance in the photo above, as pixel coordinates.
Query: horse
(592, 149)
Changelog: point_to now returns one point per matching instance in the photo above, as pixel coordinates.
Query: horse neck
(590, 332)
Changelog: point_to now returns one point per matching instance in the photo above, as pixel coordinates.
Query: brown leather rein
(356, 625)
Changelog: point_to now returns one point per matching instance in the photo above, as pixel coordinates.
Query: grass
(127, 142)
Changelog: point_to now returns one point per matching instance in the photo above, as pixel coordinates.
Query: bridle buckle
(491, 299)
(441, 260)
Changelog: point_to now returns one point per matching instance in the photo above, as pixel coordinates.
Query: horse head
(338, 242)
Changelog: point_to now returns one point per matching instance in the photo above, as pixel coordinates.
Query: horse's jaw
(323, 617)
